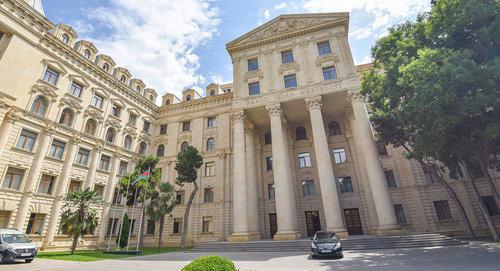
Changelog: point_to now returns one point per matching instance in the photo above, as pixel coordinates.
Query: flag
(144, 176)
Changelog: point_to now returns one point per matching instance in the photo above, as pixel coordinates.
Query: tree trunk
(488, 178)
(186, 215)
(160, 234)
(74, 243)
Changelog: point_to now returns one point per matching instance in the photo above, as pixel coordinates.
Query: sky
(175, 44)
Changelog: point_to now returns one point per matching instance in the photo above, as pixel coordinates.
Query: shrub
(210, 263)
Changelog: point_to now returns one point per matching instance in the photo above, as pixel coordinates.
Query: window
(475, 169)
(209, 169)
(116, 110)
(39, 106)
(132, 119)
(110, 135)
(75, 89)
(82, 157)
(207, 220)
(210, 122)
(286, 57)
(117, 197)
(211, 144)
(269, 163)
(50, 76)
(86, 54)
(132, 226)
(324, 48)
(270, 191)
(151, 98)
(179, 197)
(400, 213)
(65, 38)
(127, 142)
(290, 81)
(35, 223)
(90, 127)
(212, 92)
(304, 160)
(443, 211)
(490, 204)
(150, 229)
(97, 101)
(142, 148)
(186, 126)
(300, 133)
(329, 73)
(340, 156)
(46, 184)
(391, 180)
(99, 189)
(123, 168)
(184, 145)
(163, 129)
(123, 79)
(188, 98)
(74, 186)
(268, 140)
(346, 185)
(167, 102)
(4, 219)
(382, 149)
(112, 226)
(26, 140)
(57, 149)
(13, 178)
(105, 67)
(104, 163)
(431, 175)
(208, 195)
(177, 226)
(66, 117)
(146, 126)
(138, 89)
(334, 128)
(253, 64)
(160, 151)
(308, 188)
(253, 88)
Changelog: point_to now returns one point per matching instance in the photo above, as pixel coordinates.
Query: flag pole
(123, 213)
(139, 235)
(112, 221)
(132, 219)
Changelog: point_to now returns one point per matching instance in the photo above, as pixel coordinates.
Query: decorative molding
(327, 58)
(274, 110)
(129, 130)
(56, 65)
(95, 114)
(71, 102)
(112, 122)
(13, 115)
(239, 116)
(355, 96)
(50, 128)
(42, 87)
(314, 103)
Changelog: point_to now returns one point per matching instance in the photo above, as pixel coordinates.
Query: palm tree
(80, 217)
(162, 203)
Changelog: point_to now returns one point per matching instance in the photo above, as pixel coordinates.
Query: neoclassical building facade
(288, 148)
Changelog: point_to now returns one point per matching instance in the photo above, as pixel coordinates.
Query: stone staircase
(361, 242)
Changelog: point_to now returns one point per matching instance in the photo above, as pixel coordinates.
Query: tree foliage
(122, 240)
(161, 204)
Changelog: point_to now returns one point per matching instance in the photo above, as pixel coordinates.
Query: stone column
(108, 198)
(252, 198)
(61, 190)
(240, 214)
(284, 192)
(327, 182)
(94, 162)
(33, 175)
(10, 118)
(368, 151)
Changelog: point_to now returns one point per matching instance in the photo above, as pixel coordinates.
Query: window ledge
(81, 166)
(12, 190)
(102, 171)
(22, 151)
(55, 159)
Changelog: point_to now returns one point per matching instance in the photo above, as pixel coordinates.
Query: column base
(390, 231)
(286, 236)
(243, 238)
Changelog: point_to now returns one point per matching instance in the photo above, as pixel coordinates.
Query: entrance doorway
(352, 221)
(312, 222)
(273, 224)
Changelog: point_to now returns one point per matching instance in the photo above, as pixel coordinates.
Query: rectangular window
(116, 110)
(97, 101)
(391, 180)
(179, 197)
(163, 129)
(4, 219)
(253, 64)
(382, 149)
(329, 73)
(491, 205)
(46, 184)
(253, 88)
(308, 188)
(35, 224)
(26, 140)
(112, 226)
(150, 229)
(186, 126)
(104, 163)
(269, 163)
(290, 81)
(82, 157)
(208, 195)
(400, 213)
(146, 126)
(431, 175)
(304, 160)
(210, 122)
(13, 178)
(443, 210)
(57, 149)
(207, 220)
(50, 76)
(132, 119)
(75, 89)
(177, 226)
(132, 226)
(123, 168)
(340, 156)
(74, 186)
(324, 48)
(99, 189)
(286, 57)
(346, 185)
(209, 169)
(270, 191)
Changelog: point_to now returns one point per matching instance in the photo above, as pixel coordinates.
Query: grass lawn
(97, 255)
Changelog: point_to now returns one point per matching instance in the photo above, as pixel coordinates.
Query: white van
(14, 245)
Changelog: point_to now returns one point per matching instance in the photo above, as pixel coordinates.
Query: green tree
(124, 231)
(434, 91)
(187, 165)
(80, 216)
(161, 204)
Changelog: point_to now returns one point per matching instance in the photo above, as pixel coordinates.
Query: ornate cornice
(71, 102)
(46, 89)
(26, 16)
(14, 115)
(95, 114)
(199, 104)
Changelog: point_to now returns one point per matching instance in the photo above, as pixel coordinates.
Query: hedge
(210, 263)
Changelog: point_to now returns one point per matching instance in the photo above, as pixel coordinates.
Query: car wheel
(28, 260)
(1, 258)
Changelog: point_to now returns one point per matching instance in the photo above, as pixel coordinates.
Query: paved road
(477, 256)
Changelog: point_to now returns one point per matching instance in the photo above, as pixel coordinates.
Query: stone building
(287, 146)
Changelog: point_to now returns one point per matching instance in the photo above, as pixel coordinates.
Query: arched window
(300, 133)
(167, 102)
(138, 89)
(212, 92)
(188, 98)
(184, 145)
(142, 148)
(110, 135)
(160, 151)
(86, 53)
(267, 138)
(65, 38)
(105, 67)
(151, 97)
(211, 144)
(334, 128)
(90, 127)
(127, 143)
(123, 79)
(39, 106)
(66, 117)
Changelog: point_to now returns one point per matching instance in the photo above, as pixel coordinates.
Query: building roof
(37, 5)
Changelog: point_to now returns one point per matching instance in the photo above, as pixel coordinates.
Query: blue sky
(175, 44)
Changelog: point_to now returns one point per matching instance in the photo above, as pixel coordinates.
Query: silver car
(14, 245)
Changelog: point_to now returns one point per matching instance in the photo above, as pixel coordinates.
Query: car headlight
(337, 245)
(9, 247)
(314, 246)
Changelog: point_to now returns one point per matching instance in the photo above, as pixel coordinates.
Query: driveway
(476, 256)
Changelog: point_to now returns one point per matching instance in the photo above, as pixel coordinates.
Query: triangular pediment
(287, 26)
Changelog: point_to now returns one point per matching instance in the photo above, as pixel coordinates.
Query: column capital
(354, 95)
(349, 114)
(274, 110)
(77, 138)
(314, 103)
(13, 115)
(99, 145)
(239, 116)
(50, 128)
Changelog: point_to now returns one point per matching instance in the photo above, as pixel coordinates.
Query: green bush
(210, 263)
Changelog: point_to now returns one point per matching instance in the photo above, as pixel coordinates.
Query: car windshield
(325, 235)
(12, 238)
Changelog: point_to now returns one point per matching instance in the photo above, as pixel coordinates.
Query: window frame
(304, 160)
(290, 79)
(345, 183)
(49, 74)
(253, 88)
(82, 152)
(57, 149)
(24, 137)
(322, 48)
(329, 73)
(287, 57)
(252, 64)
(13, 172)
(75, 86)
(339, 155)
(308, 188)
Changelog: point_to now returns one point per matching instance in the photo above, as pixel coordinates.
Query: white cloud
(155, 39)
(217, 79)
(281, 5)
(366, 59)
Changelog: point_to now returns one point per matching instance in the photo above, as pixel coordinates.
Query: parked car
(326, 244)
(14, 245)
